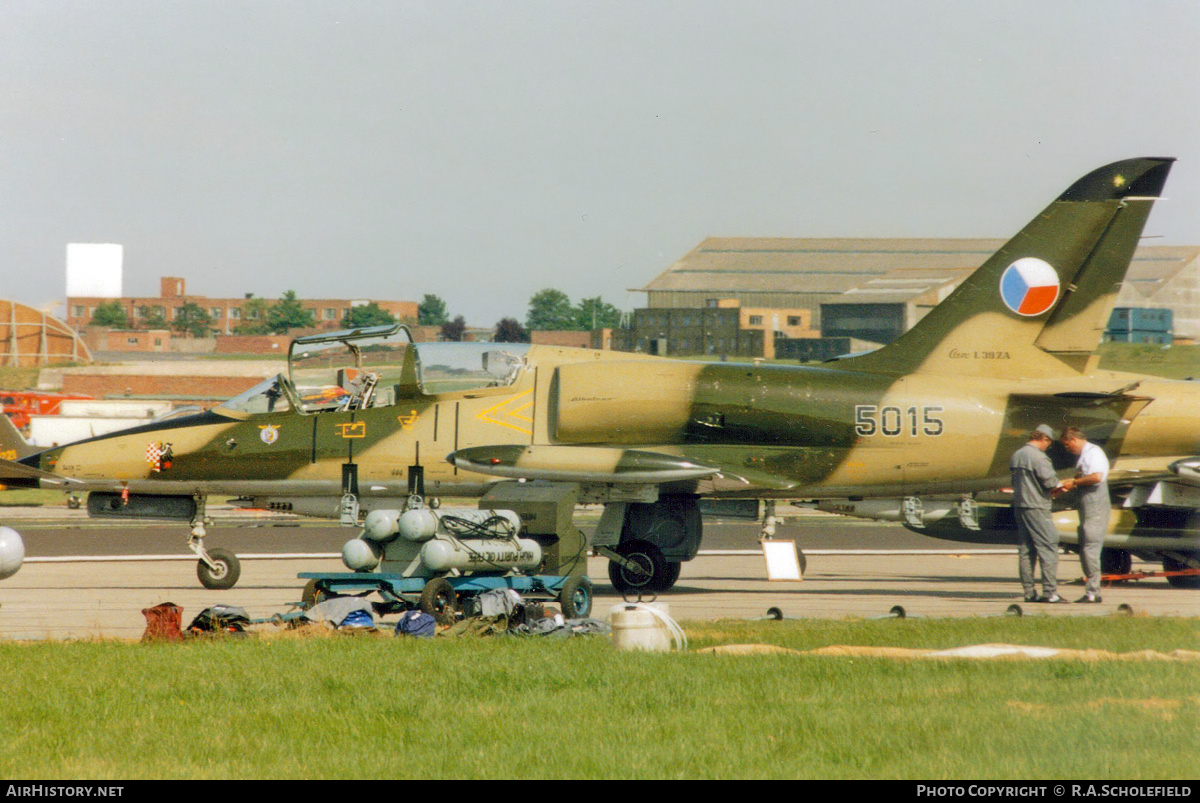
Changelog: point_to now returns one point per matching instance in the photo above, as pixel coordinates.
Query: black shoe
(1032, 596)
(1054, 598)
(1090, 598)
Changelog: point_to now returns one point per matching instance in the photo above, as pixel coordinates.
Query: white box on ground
(782, 563)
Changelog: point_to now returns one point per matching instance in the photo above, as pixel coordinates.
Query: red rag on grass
(163, 622)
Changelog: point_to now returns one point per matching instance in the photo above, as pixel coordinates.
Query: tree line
(549, 309)
(257, 316)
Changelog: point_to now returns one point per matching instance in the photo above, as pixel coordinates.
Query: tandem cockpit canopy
(377, 367)
(269, 396)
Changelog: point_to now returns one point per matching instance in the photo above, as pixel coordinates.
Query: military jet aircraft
(365, 418)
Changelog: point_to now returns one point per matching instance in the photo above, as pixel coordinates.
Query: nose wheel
(218, 568)
(221, 571)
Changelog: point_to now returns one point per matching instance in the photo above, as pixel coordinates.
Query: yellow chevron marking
(497, 414)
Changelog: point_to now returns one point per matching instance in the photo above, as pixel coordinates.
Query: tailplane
(1040, 304)
(13, 445)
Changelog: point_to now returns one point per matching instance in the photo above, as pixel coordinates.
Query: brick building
(226, 313)
(721, 326)
(100, 339)
(570, 337)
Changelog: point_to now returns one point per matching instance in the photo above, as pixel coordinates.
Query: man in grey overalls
(1033, 481)
(1091, 480)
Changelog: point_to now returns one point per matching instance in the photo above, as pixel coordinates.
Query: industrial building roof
(921, 271)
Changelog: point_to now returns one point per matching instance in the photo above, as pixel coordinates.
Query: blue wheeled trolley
(433, 559)
(442, 596)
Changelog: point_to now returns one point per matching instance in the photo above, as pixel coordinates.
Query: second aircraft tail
(13, 445)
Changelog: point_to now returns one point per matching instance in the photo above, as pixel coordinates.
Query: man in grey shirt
(1033, 481)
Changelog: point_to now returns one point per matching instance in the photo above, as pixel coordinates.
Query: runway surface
(57, 595)
(57, 532)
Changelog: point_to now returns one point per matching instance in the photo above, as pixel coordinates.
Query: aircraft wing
(1167, 481)
(579, 464)
(10, 470)
(1187, 469)
(1149, 470)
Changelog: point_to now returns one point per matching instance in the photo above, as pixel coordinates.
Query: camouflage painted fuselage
(770, 430)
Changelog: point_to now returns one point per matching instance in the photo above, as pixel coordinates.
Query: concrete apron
(105, 599)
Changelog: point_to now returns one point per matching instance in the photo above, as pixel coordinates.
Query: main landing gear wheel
(224, 572)
(1180, 581)
(439, 600)
(651, 572)
(1115, 561)
(575, 596)
(671, 526)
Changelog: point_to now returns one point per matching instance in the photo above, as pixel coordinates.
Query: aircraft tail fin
(13, 445)
(1039, 305)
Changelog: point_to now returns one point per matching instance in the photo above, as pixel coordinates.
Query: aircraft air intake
(622, 402)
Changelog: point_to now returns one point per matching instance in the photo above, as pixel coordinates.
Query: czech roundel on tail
(1029, 286)
(920, 430)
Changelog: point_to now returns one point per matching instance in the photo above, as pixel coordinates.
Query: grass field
(365, 707)
(32, 497)
(1176, 362)
(12, 378)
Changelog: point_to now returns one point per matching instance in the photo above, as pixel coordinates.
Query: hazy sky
(485, 150)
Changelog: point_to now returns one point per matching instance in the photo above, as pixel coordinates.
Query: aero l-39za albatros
(365, 419)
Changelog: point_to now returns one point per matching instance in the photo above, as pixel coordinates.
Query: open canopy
(376, 367)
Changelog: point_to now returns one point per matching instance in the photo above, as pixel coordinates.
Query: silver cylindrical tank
(419, 524)
(500, 523)
(361, 555)
(12, 552)
(441, 555)
(380, 526)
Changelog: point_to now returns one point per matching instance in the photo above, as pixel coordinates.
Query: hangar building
(32, 338)
(876, 289)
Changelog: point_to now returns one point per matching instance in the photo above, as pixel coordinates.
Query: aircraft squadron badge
(159, 455)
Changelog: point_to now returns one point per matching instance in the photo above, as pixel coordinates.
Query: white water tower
(94, 270)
